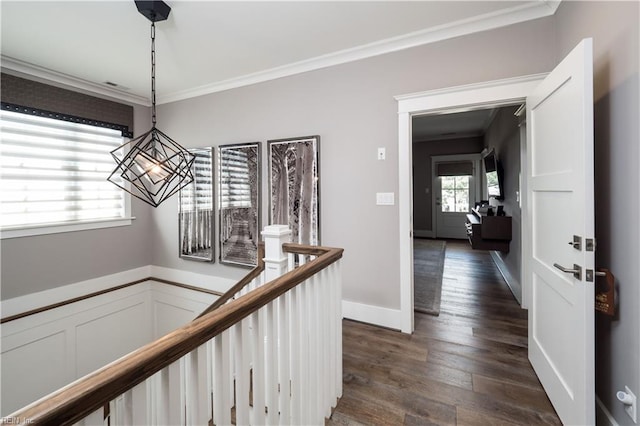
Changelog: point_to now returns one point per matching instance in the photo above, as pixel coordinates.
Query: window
(54, 173)
(455, 193)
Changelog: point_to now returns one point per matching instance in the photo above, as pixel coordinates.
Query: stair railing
(271, 356)
(237, 289)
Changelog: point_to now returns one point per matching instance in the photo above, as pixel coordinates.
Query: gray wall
(504, 136)
(32, 264)
(352, 108)
(614, 28)
(422, 179)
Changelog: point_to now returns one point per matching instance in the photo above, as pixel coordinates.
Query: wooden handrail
(304, 249)
(77, 400)
(239, 285)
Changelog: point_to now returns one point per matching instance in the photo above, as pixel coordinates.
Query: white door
(454, 195)
(561, 205)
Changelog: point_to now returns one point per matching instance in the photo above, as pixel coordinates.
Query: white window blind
(55, 172)
(198, 195)
(235, 182)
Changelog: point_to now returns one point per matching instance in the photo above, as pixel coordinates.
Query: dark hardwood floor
(467, 366)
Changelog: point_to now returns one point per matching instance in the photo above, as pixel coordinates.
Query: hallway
(467, 366)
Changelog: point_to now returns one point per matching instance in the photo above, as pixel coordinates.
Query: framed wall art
(196, 210)
(294, 187)
(239, 206)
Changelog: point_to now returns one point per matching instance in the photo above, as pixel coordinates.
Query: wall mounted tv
(494, 175)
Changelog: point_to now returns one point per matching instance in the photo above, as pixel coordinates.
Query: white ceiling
(208, 46)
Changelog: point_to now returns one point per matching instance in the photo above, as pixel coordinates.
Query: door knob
(576, 271)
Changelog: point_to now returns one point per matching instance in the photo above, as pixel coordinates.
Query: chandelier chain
(153, 74)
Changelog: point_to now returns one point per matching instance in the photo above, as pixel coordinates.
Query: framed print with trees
(195, 217)
(294, 187)
(239, 206)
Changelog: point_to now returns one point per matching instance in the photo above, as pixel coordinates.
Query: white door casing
(453, 99)
(561, 205)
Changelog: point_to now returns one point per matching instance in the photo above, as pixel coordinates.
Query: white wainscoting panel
(45, 351)
(111, 334)
(174, 306)
(33, 369)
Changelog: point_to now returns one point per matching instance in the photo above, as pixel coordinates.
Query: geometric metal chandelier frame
(155, 166)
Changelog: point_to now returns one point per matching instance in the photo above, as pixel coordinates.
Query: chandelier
(155, 166)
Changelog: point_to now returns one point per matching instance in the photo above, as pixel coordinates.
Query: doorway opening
(450, 178)
(453, 100)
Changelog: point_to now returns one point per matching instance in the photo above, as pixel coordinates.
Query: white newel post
(275, 260)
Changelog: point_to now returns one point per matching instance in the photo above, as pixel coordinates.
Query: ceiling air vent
(115, 85)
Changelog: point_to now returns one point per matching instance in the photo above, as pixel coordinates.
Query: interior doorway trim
(453, 99)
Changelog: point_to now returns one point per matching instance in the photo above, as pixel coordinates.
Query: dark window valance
(455, 168)
(31, 97)
(65, 117)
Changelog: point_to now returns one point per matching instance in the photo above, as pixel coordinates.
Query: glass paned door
(454, 198)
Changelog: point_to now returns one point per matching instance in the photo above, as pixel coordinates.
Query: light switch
(385, 198)
(382, 153)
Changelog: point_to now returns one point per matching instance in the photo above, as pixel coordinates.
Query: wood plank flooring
(467, 366)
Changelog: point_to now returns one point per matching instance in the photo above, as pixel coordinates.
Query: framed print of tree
(239, 207)
(294, 187)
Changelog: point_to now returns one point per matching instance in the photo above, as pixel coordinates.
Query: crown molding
(527, 11)
(521, 13)
(24, 69)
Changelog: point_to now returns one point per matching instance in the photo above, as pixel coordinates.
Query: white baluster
(258, 353)
(292, 261)
(271, 366)
(313, 352)
(283, 357)
(222, 382)
(141, 403)
(160, 399)
(197, 391)
(120, 409)
(305, 361)
(176, 384)
(338, 304)
(333, 320)
(294, 322)
(241, 353)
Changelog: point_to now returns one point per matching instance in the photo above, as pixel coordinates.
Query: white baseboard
(28, 302)
(603, 416)
(512, 282)
(423, 233)
(376, 315)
